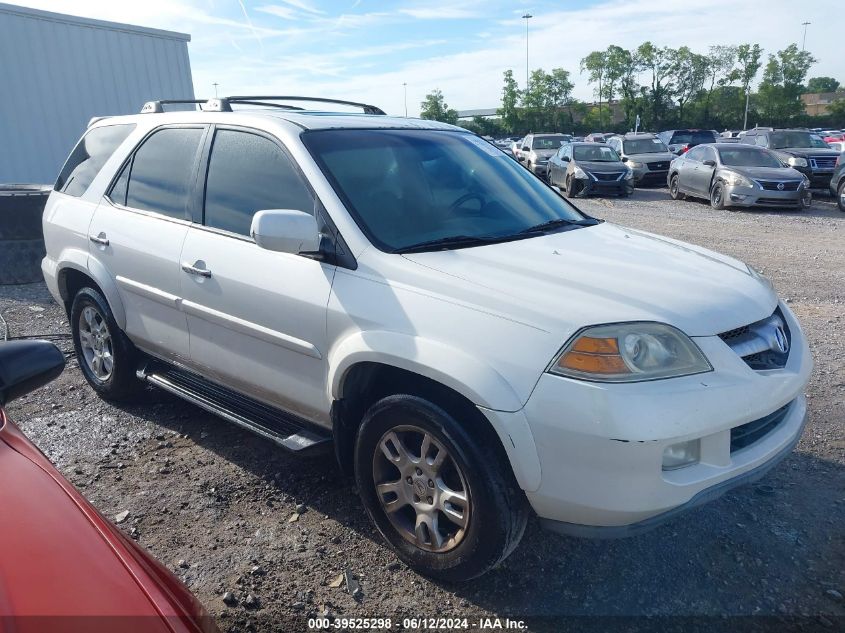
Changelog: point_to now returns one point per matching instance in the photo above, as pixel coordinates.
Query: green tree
(622, 70)
(780, 91)
(659, 63)
(690, 72)
(822, 84)
(596, 66)
(720, 62)
(748, 65)
(836, 112)
(560, 96)
(511, 96)
(434, 107)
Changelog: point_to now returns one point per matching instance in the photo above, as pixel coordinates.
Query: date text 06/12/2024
(416, 624)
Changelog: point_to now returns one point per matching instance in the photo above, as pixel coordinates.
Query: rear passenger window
(161, 172)
(249, 173)
(88, 157)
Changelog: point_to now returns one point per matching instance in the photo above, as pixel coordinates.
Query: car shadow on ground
(747, 553)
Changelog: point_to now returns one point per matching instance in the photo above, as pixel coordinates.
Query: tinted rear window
(162, 171)
(695, 137)
(88, 157)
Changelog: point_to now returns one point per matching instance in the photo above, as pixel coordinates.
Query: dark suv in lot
(837, 183)
(680, 141)
(801, 149)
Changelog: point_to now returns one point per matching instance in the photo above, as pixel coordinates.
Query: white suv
(474, 347)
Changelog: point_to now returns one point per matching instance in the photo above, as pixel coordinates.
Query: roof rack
(260, 100)
(156, 106)
(224, 104)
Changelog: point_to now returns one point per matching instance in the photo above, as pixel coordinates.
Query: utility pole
(804, 41)
(215, 89)
(526, 17)
(747, 97)
(405, 86)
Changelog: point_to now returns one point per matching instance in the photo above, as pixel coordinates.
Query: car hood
(808, 151)
(768, 173)
(544, 153)
(600, 167)
(603, 274)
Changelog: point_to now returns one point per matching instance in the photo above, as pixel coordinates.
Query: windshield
(748, 157)
(693, 137)
(406, 187)
(796, 139)
(644, 146)
(595, 152)
(549, 142)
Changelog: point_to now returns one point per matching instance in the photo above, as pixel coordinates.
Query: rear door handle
(99, 239)
(193, 270)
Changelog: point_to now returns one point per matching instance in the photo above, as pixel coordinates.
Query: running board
(279, 427)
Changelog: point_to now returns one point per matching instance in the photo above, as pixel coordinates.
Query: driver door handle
(99, 239)
(193, 270)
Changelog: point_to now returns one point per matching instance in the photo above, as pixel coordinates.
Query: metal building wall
(58, 71)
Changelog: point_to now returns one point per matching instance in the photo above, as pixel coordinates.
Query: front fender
(478, 382)
(449, 366)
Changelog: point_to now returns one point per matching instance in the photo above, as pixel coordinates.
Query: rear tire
(414, 463)
(106, 356)
(674, 189)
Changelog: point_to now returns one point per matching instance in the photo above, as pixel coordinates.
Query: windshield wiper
(449, 242)
(559, 222)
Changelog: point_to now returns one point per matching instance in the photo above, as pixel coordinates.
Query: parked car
(680, 141)
(729, 134)
(598, 137)
(837, 182)
(400, 290)
(839, 146)
(800, 149)
(584, 169)
(734, 175)
(645, 154)
(63, 565)
(538, 148)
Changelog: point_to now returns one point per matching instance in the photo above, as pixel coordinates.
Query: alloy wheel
(96, 343)
(421, 489)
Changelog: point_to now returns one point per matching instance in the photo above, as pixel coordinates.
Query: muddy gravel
(266, 539)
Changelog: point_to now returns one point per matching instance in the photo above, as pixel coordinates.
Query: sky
(363, 50)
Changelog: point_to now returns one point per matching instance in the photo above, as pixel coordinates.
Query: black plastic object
(27, 365)
(21, 237)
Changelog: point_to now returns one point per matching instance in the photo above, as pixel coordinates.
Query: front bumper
(590, 186)
(540, 169)
(646, 176)
(601, 446)
(737, 196)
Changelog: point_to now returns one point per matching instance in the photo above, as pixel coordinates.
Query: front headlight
(635, 164)
(796, 161)
(736, 180)
(629, 174)
(579, 173)
(630, 352)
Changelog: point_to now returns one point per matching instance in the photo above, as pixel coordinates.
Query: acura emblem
(781, 341)
(780, 186)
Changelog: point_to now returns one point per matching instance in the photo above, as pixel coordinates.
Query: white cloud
(305, 6)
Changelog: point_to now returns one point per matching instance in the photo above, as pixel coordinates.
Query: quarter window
(88, 157)
(248, 173)
(160, 174)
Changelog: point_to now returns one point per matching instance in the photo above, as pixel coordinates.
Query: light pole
(405, 87)
(804, 41)
(215, 89)
(526, 17)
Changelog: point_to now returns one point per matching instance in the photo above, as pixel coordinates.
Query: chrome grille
(659, 166)
(759, 344)
(772, 185)
(823, 163)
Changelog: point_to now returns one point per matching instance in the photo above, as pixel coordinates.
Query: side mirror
(525, 148)
(285, 231)
(709, 162)
(27, 365)
(565, 159)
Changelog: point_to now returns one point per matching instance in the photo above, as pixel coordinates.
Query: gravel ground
(221, 507)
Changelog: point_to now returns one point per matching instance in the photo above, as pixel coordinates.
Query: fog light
(736, 197)
(680, 455)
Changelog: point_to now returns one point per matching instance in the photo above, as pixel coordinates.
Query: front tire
(106, 356)
(717, 196)
(444, 501)
(840, 196)
(570, 186)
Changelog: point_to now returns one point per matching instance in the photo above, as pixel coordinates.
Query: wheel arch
(72, 275)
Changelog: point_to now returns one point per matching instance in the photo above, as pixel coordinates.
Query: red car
(64, 568)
